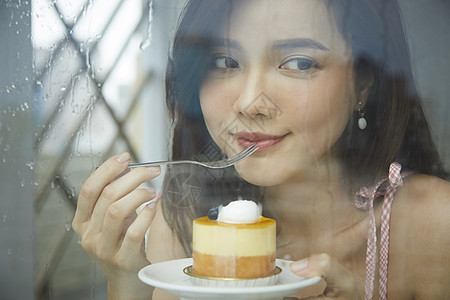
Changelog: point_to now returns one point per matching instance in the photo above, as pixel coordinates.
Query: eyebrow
(300, 43)
(279, 44)
(218, 42)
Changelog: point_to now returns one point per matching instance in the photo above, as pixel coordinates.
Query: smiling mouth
(262, 140)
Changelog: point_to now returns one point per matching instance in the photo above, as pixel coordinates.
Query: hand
(110, 230)
(340, 281)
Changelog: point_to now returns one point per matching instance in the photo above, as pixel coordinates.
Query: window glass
(345, 100)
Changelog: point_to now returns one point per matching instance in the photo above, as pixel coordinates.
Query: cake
(239, 244)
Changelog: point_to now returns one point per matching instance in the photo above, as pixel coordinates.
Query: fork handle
(157, 163)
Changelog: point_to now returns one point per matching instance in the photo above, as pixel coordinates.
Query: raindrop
(68, 227)
(63, 88)
(9, 251)
(145, 44)
(24, 106)
(30, 165)
(4, 218)
(148, 41)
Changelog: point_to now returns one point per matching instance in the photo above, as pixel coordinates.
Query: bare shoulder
(162, 244)
(425, 201)
(427, 188)
(420, 237)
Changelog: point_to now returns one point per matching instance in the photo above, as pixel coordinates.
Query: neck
(317, 210)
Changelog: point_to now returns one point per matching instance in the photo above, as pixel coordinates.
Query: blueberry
(213, 213)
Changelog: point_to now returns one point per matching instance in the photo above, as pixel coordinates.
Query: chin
(260, 177)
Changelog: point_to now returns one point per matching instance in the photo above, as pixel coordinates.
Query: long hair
(397, 128)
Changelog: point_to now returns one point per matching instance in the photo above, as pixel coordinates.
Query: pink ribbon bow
(364, 200)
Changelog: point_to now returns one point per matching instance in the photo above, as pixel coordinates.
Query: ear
(363, 84)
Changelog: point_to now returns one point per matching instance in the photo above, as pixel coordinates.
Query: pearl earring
(362, 122)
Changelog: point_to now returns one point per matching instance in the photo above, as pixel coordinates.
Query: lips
(262, 140)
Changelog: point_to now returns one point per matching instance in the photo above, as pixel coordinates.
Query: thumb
(341, 283)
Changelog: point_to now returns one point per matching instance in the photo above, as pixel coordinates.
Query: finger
(116, 215)
(119, 189)
(340, 280)
(134, 238)
(95, 184)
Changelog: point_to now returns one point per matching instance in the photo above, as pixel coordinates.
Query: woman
(325, 89)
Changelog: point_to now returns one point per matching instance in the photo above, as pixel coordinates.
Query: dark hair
(397, 128)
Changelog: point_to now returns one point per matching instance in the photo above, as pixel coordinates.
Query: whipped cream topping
(240, 212)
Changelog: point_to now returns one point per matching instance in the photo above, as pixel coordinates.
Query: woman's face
(280, 76)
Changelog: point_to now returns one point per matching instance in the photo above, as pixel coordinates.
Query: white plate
(169, 276)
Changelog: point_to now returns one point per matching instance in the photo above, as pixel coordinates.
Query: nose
(253, 101)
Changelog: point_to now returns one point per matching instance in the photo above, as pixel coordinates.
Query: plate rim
(183, 262)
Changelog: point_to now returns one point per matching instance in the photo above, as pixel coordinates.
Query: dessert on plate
(234, 241)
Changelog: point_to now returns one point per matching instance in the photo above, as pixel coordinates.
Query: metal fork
(211, 164)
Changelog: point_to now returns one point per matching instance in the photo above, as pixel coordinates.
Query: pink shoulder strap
(364, 200)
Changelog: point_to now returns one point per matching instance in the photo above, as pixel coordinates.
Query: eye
(298, 64)
(224, 62)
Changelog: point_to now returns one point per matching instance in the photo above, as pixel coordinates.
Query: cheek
(216, 107)
(209, 103)
(214, 99)
(320, 108)
(318, 102)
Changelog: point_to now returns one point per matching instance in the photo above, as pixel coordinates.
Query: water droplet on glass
(4, 218)
(68, 226)
(24, 106)
(30, 165)
(148, 41)
(145, 44)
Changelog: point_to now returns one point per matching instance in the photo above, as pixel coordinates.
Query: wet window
(336, 98)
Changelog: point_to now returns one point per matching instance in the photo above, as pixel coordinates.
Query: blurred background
(82, 80)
